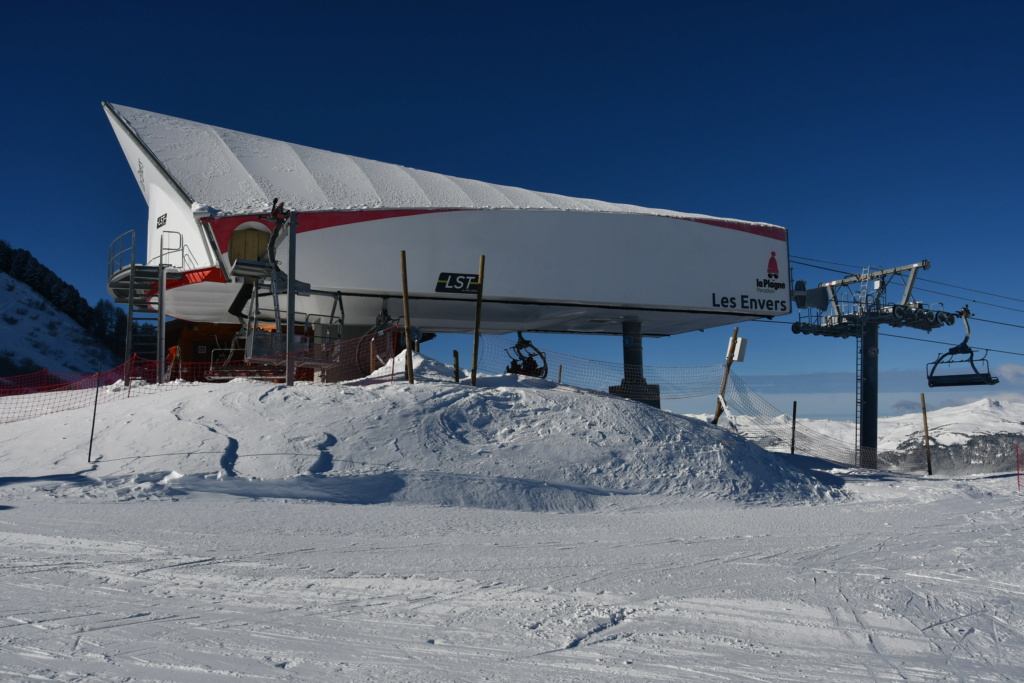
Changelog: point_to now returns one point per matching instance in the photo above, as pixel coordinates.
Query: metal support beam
(289, 345)
(161, 324)
(910, 282)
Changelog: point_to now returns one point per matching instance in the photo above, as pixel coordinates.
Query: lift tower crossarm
(880, 274)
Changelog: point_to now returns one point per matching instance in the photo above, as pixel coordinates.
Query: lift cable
(831, 263)
(996, 322)
(968, 289)
(811, 265)
(918, 339)
(973, 301)
(796, 258)
(933, 341)
(799, 261)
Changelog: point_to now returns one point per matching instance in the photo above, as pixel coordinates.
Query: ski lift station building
(591, 266)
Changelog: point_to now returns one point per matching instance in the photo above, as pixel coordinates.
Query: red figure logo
(773, 267)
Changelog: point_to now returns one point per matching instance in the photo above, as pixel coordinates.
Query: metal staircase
(139, 287)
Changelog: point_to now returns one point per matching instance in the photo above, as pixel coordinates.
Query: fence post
(408, 325)
(792, 438)
(479, 307)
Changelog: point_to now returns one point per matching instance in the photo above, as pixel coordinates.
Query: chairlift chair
(527, 359)
(950, 371)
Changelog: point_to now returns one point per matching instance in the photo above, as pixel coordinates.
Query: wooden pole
(792, 439)
(408, 325)
(725, 376)
(479, 309)
(455, 354)
(927, 444)
(373, 356)
(1018, 466)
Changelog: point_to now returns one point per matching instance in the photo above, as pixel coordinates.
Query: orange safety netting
(44, 392)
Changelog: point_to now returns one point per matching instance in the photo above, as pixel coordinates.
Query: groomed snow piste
(510, 532)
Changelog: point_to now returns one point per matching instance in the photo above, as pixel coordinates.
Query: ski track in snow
(214, 589)
(126, 572)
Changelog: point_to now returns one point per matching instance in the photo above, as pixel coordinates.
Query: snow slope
(514, 531)
(31, 328)
(977, 437)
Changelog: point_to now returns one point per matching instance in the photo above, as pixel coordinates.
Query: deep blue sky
(879, 133)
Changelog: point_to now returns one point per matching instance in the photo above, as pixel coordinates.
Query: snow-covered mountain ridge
(946, 426)
(975, 437)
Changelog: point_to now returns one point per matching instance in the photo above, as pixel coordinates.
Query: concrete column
(633, 352)
(634, 386)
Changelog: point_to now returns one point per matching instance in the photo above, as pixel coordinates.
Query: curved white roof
(240, 174)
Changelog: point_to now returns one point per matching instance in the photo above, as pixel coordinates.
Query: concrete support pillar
(634, 386)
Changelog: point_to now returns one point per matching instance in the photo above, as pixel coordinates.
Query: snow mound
(509, 443)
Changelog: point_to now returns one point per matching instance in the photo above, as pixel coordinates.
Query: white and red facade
(553, 263)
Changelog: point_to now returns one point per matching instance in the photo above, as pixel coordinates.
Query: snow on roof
(240, 174)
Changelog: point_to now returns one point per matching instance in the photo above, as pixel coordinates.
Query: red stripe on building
(762, 229)
(190, 277)
(223, 227)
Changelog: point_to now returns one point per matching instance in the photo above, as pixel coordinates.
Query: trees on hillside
(106, 322)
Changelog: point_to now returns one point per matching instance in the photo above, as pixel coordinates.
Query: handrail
(185, 260)
(121, 249)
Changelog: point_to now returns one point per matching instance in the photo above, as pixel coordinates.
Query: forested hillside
(105, 323)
